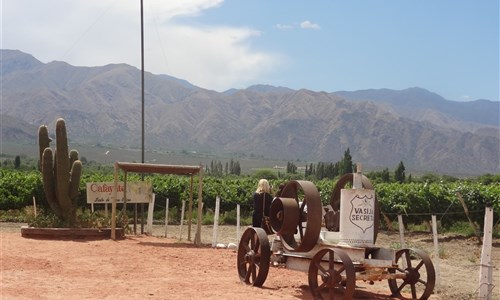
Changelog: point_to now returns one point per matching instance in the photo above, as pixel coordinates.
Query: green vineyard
(417, 201)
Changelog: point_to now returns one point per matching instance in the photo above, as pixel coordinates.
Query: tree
(346, 163)
(237, 168)
(386, 177)
(17, 162)
(234, 168)
(399, 173)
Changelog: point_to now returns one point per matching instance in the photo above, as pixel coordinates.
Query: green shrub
(208, 219)
(229, 218)
(84, 219)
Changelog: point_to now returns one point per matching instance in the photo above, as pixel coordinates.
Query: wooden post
(466, 210)
(197, 239)
(182, 219)
(486, 269)
(135, 218)
(402, 237)
(216, 221)
(357, 177)
(190, 210)
(401, 231)
(113, 204)
(237, 223)
(124, 208)
(166, 216)
(436, 250)
(34, 206)
(151, 206)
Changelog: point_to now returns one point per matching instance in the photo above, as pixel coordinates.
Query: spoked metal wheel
(254, 255)
(419, 278)
(331, 271)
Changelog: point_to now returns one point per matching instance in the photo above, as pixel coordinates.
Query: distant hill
(102, 105)
(422, 105)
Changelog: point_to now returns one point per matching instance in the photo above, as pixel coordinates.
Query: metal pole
(142, 110)
(142, 80)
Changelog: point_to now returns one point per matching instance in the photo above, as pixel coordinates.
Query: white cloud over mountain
(91, 33)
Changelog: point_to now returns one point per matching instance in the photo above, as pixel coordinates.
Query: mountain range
(381, 127)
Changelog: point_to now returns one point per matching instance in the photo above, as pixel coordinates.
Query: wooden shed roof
(158, 168)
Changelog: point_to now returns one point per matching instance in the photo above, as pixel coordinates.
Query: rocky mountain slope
(380, 127)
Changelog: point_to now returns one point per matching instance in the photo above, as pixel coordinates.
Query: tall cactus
(61, 173)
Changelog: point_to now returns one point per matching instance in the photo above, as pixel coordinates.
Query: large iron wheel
(310, 212)
(254, 255)
(335, 275)
(420, 275)
(335, 199)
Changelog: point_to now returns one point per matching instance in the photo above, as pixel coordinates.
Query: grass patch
(462, 228)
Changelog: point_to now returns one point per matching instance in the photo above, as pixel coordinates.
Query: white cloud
(283, 26)
(309, 25)
(217, 58)
(92, 33)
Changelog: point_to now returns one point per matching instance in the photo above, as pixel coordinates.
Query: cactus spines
(61, 173)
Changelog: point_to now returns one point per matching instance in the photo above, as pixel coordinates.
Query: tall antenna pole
(142, 79)
(142, 119)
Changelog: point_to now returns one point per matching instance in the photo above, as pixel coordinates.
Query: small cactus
(61, 173)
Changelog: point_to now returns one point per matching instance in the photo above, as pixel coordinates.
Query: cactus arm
(43, 142)
(73, 156)
(48, 181)
(74, 184)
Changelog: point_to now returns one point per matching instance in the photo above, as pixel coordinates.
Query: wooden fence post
(401, 231)
(402, 237)
(182, 219)
(166, 216)
(216, 221)
(151, 206)
(436, 250)
(466, 210)
(486, 267)
(237, 223)
(34, 206)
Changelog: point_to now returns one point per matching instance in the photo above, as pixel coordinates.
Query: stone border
(70, 233)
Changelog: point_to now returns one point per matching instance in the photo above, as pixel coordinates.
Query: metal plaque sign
(357, 217)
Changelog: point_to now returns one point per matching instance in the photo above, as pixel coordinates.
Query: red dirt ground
(149, 267)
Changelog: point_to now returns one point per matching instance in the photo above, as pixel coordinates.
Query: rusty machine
(334, 245)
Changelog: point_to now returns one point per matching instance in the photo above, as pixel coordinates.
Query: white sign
(102, 192)
(357, 217)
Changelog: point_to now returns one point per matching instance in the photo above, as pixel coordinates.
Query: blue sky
(450, 47)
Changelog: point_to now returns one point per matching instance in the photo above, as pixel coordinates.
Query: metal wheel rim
(413, 278)
(308, 235)
(331, 277)
(254, 255)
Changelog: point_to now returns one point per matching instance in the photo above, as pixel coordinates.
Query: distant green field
(108, 155)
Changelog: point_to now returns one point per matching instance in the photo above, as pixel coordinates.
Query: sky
(450, 47)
